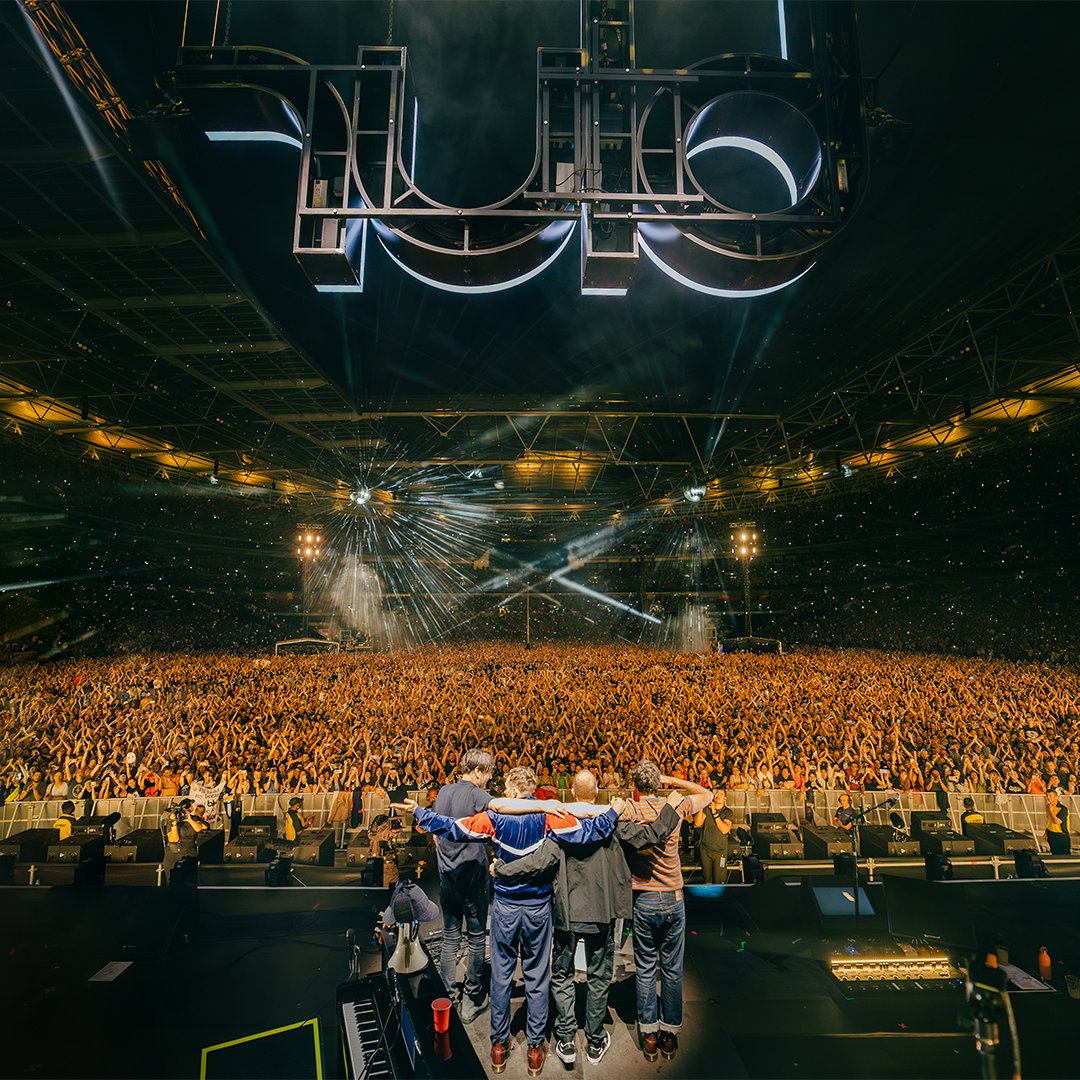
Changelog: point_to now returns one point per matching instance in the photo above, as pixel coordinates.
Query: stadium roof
(154, 318)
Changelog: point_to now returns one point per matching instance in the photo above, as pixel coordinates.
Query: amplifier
(139, 845)
(249, 849)
(947, 843)
(211, 844)
(258, 825)
(884, 840)
(768, 823)
(824, 841)
(929, 823)
(766, 849)
(7, 869)
(94, 826)
(315, 847)
(993, 839)
(76, 849)
(30, 845)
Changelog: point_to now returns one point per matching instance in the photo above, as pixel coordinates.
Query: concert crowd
(101, 728)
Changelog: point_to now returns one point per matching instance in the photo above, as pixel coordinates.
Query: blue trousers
(524, 929)
(659, 937)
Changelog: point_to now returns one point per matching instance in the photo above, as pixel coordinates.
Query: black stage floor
(212, 965)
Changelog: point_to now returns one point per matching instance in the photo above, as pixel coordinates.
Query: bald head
(584, 786)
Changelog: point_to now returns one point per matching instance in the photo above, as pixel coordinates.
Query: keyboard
(364, 1013)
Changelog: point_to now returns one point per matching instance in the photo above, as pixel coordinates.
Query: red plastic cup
(440, 1010)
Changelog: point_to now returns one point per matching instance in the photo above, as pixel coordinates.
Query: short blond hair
(520, 782)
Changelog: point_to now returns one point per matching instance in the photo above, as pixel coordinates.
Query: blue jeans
(463, 894)
(526, 927)
(659, 936)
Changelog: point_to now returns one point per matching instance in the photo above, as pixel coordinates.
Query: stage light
(360, 496)
(843, 865)
(752, 871)
(938, 867)
(695, 493)
(1029, 864)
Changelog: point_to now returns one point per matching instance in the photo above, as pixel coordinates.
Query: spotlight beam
(601, 597)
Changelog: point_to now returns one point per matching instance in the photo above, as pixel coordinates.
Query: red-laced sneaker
(500, 1051)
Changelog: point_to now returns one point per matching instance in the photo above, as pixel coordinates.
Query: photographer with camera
(180, 828)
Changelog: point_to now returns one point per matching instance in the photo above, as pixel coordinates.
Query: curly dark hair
(646, 777)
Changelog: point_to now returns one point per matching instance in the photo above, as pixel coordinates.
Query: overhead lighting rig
(728, 173)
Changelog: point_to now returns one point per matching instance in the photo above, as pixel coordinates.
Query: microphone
(894, 800)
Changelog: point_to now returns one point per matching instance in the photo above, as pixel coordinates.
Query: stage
(208, 966)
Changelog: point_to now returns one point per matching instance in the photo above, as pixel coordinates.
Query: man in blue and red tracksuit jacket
(521, 918)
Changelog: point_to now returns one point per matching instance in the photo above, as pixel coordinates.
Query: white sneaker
(597, 1051)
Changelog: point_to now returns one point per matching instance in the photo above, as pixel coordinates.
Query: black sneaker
(566, 1051)
(470, 1009)
(597, 1050)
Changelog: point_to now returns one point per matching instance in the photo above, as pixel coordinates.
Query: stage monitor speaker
(358, 851)
(30, 845)
(140, 845)
(766, 849)
(947, 843)
(825, 841)
(884, 840)
(993, 839)
(76, 849)
(211, 844)
(314, 847)
(249, 849)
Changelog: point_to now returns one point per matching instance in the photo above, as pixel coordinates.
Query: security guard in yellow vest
(66, 821)
(970, 816)
(294, 823)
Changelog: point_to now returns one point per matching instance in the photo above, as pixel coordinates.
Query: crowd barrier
(1021, 813)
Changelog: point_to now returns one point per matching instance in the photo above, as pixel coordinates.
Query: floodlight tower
(308, 551)
(745, 541)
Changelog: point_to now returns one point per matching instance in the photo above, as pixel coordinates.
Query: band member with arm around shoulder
(521, 917)
(659, 912)
(592, 890)
(464, 884)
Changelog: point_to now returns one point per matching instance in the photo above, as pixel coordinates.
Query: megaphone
(409, 956)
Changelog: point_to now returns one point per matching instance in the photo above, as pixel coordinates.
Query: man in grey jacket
(592, 881)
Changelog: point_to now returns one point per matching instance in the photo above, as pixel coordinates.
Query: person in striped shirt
(521, 916)
(659, 914)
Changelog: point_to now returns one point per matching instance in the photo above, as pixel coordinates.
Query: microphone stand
(859, 816)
